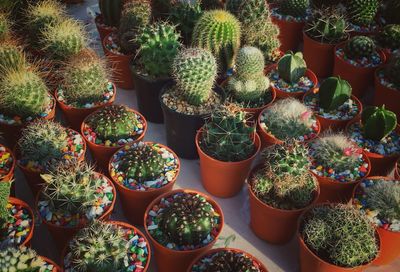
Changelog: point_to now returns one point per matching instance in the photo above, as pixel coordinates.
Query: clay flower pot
(103, 29)
(169, 260)
(56, 268)
(290, 33)
(230, 175)
(387, 96)
(256, 262)
(23, 204)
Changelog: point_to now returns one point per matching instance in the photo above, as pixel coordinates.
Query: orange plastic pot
(134, 202)
(9, 176)
(290, 33)
(386, 96)
(75, 116)
(224, 179)
(56, 268)
(360, 78)
(101, 153)
(261, 266)
(390, 241)
(169, 260)
(19, 202)
(103, 29)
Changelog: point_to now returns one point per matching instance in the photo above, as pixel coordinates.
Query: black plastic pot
(181, 128)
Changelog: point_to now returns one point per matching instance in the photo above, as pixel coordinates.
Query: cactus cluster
(389, 37)
(392, 70)
(362, 12)
(185, 15)
(194, 71)
(226, 260)
(295, 8)
(4, 195)
(333, 93)
(158, 45)
(292, 67)
(219, 32)
(4, 26)
(340, 234)
(360, 47)
(100, 247)
(21, 259)
(378, 122)
(188, 220)
(111, 11)
(249, 83)
(12, 57)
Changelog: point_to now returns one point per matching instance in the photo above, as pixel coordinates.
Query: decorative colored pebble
(304, 85)
(373, 61)
(6, 162)
(112, 45)
(364, 29)
(17, 228)
(275, 13)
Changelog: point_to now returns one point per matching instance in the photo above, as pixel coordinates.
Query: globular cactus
(111, 11)
(292, 67)
(195, 71)
(378, 122)
(249, 62)
(5, 187)
(225, 261)
(219, 32)
(389, 37)
(295, 8)
(188, 220)
(21, 259)
(226, 136)
(251, 11)
(23, 93)
(158, 46)
(360, 47)
(142, 162)
(392, 70)
(12, 57)
(100, 247)
(4, 26)
(333, 93)
(362, 12)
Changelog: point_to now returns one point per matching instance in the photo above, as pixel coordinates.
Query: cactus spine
(231, 261)
(4, 195)
(292, 67)
(4, 26)
(360, 47)
(362, 12)
(378, 122)
(295, 8)
(333, 93)
(111, 11)
(12, 57)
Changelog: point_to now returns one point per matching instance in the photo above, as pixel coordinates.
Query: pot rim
(56, 267)
(345, 39)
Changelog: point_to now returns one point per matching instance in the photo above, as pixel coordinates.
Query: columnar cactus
(22, 259)
(12, 57)
(362, 12)
(333, 93)
(4, 26)
(389, 37)
(194, 71)
(295, 8)
(111, 11)
(378, 122)
(185, 15)
(360, 47)
(392, 70)
(292, 67)
(219, 32)
(4, 195)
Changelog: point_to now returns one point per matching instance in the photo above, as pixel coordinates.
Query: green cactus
(188, 220)
(5, 188)
(333, 93)
(362, 12)
(111, 11)
(226, 136)
(360, 47)
(340, 234)
(5, 27)
(226, 261)
(251, 11)
(21, 259)
(295, 8)
(100, 247)
(292, 67)
(378, 122)
(23, 93)
(12, 57)
(158, 46)
(389, 37)
(392, 70)
(195, 71)
(219, 32)
(142, 162)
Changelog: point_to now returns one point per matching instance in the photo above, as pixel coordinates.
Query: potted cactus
(74, 195)
(16, 219)
(182, 225)
(119, 47)
(280, 188)
(25, 259)
(227, 146)
(5, 26)
(336, 237)
(7, 164)
(287, 119)
(290, 77)
(362, 15)
(141, 172)
(110, 15)
(109, 128)
(379, 135)
(321, 34)
(356, 61)
(186, 103)
(378, 198)
(85, 87)
(333, 104)
(107, 246)
(389, 39)
(158, 45)
(44, 144)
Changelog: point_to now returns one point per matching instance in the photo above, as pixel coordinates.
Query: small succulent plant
(360, 47)
(5, 188)
(333, 93)
(12, 57)
(340, 234)
(21, 259)
(295, 8)
(111, 11)
(392, 70)
(378, 122)
(226, 261)
(389, 37)
(5, 27)
(226, 136)
(362, 12)
(292, 67)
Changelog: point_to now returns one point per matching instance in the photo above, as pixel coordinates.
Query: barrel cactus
(111, 11)
(4, 26)
(378, 122)
(219, 32)
(392, 70)
(333, 93)
(362, 12)
(4, 195)
(12, 57)
(295, 8)
(360, 47)
(21, 259)
(389, 37)
(292, 67)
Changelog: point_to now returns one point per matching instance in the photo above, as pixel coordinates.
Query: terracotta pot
(56, 268)
(397, 170)
(262, 267)
(10, 175)
(134, 202)
(360, 78)
(386, 96)
(337, 125)
(169, 260)
(230, 175)
(19, 202)
(101, 153)
(390, 240)
(290, 33)
(103, 29)
(75, 116)
(281, 94)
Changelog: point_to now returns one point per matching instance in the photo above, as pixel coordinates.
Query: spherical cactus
(360, 47)
(392, 70)
(111, 11)
(188, 220)
(219, 32)
(22, 259)
(389, 37)
(12, 57)
(328, 26)
(250, 11)
(362, 12)
(378, 122)
(295, 8)
(292, 67)
(194, 71)
(333, 93)
(231, 261)
(4, 26)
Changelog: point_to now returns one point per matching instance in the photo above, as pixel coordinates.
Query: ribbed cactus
(4, 26)
(292, 67)
(295, 8)
(392, 70)
(12, 57)
(389, 37)
(5, 187)
(158, 46)
(360, 47)
(225, 261)
(250, 11)
(111, 11)
(100, 247)
(23, 93)
(188, 220)
(333, 93)
(194, 71)
(185, 15)
(219, 32)
(362, 12)
(378, 122)
(21, 259)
